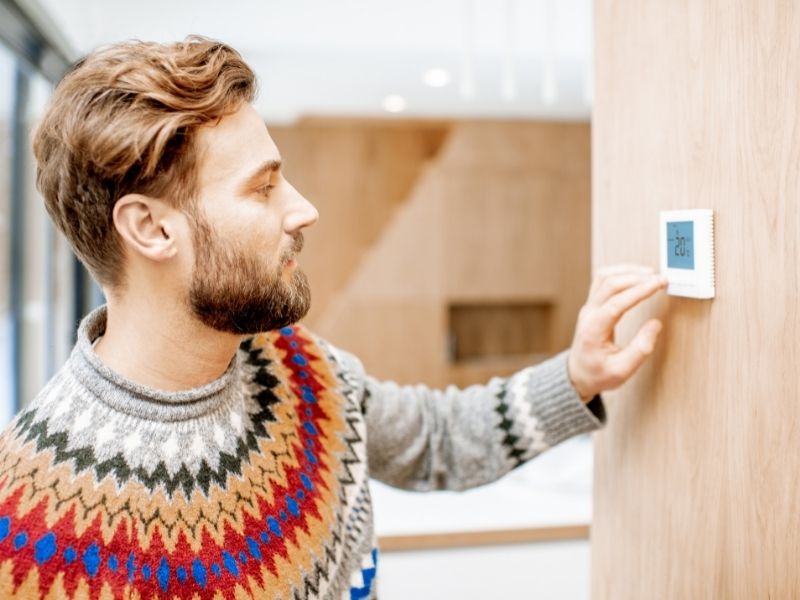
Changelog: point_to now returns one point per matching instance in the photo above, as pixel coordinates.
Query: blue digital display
(680, 245)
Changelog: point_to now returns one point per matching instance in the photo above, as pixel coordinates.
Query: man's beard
(238, 293)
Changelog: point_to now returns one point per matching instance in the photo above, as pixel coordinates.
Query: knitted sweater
(254, 485)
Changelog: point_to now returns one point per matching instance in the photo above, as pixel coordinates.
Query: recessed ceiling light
(394, 103)
(436, 77)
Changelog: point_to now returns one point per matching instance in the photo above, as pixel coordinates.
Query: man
(198, 443)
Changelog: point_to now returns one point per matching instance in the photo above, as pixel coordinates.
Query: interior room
(486, 175)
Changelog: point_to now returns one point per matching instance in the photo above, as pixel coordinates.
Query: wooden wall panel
(391, 313)
(518, 215)
(498, 241)
(696, 493)
(357, 173)
(397, 340)
(501, 214)
(549, 148)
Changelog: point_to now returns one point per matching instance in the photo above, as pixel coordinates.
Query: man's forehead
(235, 147)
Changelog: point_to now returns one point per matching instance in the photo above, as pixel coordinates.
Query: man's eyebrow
(264, 169)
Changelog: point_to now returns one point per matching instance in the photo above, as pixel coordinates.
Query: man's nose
(301, 214)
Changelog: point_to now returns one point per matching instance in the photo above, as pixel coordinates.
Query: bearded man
(198, 442)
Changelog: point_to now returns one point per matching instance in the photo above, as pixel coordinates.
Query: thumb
(648, 334)
(632, 356)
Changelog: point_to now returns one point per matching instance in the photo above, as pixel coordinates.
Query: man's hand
(596, 363)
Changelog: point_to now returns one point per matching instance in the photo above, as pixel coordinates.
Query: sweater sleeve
(454, 439)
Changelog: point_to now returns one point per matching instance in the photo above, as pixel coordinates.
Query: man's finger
(605, 272)
(615, 269)
(616, 306)
(624, 363)
(615, 284)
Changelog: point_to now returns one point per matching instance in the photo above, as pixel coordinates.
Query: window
(7, 73)
(42, 285)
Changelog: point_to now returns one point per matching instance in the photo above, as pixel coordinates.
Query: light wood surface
(695, 487)
(501, 213)
(357, 173)
(484, 330)
(405, 543)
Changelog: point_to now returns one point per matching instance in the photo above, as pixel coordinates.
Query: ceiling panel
(507, 58)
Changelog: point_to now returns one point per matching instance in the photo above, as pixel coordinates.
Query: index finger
(616, 306)
(623, 268)
(612, 270)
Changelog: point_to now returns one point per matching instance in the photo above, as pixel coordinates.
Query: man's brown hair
(123, 120)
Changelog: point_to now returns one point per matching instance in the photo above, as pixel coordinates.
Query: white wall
(552, 570)
(551, 490)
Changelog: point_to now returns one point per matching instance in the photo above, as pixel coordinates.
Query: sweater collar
(135, 399)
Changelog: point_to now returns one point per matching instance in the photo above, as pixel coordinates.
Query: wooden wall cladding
(490, 330)
(696, 106)
(484, 212)
(356, 172)
(518, 217)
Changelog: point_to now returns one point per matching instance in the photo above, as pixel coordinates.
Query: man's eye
(265, 190)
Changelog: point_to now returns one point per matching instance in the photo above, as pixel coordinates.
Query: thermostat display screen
(680, 245)
(686, 252)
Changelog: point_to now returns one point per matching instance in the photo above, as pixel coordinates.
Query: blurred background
(447, 147)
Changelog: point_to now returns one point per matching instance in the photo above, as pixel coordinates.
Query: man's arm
(424, 439)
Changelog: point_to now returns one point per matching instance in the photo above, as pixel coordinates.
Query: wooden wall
(417, 216)
(356, 173)
(696, 492)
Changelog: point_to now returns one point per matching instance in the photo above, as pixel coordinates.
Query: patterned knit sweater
(254, 485)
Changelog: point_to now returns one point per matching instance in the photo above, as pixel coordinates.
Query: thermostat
(687, 252)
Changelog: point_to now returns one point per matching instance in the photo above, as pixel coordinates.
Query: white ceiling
(343, 57)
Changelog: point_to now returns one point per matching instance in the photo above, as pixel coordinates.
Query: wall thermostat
(687, 252)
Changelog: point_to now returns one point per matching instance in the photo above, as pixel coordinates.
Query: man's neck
(165, 349)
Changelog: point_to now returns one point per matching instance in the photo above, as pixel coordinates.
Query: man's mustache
(297, 245)
(299, 240)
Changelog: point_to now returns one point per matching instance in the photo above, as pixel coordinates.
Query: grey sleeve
(454, 439)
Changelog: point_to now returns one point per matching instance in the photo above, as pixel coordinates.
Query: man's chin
(233, 318)
(245, 324)
(241, 310)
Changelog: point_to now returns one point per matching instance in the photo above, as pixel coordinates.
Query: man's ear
(144, 224)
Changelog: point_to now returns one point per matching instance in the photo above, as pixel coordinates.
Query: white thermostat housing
(687, 252)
